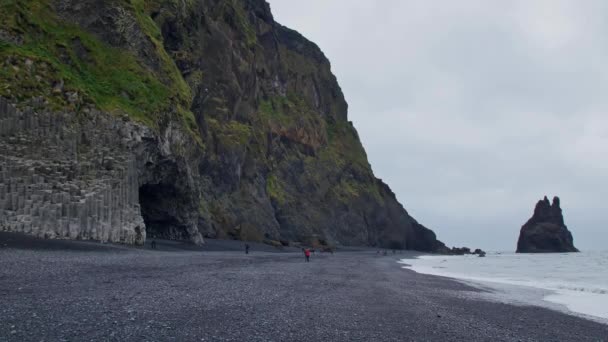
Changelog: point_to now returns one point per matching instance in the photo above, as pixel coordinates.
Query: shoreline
(120, 294)
(512, 292)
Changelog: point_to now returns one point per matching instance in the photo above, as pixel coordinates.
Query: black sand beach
(74, 291)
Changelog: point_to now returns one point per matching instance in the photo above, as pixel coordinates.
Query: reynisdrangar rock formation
(546, 232)
(182, 120)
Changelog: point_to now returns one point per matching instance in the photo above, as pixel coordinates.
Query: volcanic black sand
(74, 291)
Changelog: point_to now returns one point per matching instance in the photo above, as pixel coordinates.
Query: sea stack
(546, 232)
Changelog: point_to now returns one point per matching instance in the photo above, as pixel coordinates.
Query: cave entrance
(159, 209)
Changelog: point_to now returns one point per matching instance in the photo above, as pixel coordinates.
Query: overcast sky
(472, 111)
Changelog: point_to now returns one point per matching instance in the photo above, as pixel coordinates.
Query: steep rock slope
(228, 124)
(545, 231)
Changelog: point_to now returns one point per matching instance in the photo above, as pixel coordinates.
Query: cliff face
(206, 116)
(545, 231)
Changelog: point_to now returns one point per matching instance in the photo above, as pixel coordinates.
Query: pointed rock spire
(545, 231)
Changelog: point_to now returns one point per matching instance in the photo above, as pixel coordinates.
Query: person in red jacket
(307, 254)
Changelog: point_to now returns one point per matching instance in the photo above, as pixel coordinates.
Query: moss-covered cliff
(251, 136)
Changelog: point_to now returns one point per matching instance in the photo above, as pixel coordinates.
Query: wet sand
(76, 291)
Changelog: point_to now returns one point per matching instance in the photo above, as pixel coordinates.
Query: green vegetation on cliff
(50, 57)
(233, 13)
(276, 190)
(231, 134)
(338, 152)
(346, 154)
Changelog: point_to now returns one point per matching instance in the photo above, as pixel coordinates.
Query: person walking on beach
(153, 244)
(246, 248)
(307, 254)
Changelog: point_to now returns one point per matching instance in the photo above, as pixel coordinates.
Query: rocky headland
(545, 231)
(125, 119)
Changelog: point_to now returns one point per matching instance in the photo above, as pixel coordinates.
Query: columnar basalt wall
(68, 176)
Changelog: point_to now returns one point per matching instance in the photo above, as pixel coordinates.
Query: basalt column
(58, 178)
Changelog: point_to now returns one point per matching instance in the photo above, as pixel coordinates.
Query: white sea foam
(578, 281)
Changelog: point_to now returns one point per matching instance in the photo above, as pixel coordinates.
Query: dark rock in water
(460, 251)
(546, 232)
(480, 252)
(464, 251)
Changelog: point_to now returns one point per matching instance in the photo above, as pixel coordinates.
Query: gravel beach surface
(75, 291)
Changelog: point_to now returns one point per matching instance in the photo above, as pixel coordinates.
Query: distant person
(153, 244)
(307, 254)
(246, 248)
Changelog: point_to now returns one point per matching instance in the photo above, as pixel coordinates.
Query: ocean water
(578, 281)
